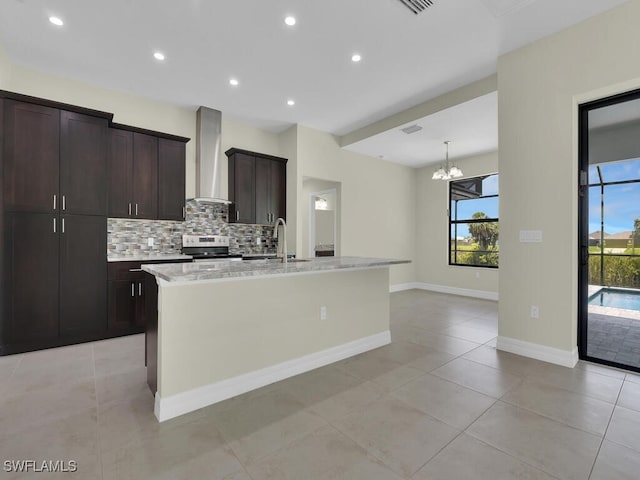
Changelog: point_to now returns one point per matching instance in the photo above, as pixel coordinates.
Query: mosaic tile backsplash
(130, 237)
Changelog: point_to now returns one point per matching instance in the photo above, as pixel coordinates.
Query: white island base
(222, 337)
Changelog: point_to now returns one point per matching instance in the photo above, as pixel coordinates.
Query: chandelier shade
(446, 170)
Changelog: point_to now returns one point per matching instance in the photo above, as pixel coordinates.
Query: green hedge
(618, 271)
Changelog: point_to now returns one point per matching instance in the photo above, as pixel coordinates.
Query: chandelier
(446, 170)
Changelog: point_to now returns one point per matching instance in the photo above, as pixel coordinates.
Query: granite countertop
(147, 257)
(202, 271)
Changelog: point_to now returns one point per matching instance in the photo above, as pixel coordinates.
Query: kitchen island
(225, 328)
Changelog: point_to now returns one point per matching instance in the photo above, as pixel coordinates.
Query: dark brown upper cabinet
(120, 155)
(147, 175)
(257, 187)
(31, 157)
(242, 187)
(171, 179)
(55, 161)
(83, 164)
(133, 182)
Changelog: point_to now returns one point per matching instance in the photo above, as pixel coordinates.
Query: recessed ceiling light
(234, 82)
(356, 57)
(56, 21)
(291, 103)
(291, 21)
(158, 55)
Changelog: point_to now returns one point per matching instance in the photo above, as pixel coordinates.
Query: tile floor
(614, 338)
(438, 403)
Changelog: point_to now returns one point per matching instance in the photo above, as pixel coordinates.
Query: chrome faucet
(284, 237)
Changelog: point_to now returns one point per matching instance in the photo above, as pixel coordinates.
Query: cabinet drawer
(125, 271)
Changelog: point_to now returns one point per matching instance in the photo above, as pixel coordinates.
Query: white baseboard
(185, 402)
(465, 292)
(399, 287)
(539, 352)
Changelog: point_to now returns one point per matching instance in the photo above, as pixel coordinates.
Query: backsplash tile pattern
(130, 237)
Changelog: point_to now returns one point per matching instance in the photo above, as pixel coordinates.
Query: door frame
(312, 220)
(583, 221)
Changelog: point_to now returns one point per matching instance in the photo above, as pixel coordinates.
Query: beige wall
(378, 200)
(540, 87)
(204, 338)
(5, 66)
(433, 230)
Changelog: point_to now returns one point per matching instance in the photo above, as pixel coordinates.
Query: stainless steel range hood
(209, 156)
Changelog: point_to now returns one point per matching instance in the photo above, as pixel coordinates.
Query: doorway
(609, 231)
(321, 218)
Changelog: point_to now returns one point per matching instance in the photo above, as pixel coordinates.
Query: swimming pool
(615, 298)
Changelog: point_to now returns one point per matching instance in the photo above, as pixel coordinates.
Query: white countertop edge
(148, 258)
(165, 283)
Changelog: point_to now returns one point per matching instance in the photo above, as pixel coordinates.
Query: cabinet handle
(54, 224)
(62, 224)
(133, 289)
(136, 209)
(237, 215)
(64, 202)
(135, 269)
(140, 289)
(54, 201)
(184, 213)
(129, 208)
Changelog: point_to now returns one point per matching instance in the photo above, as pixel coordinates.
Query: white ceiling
(407, 58)
(472, 128)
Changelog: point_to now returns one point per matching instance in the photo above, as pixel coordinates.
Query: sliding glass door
(609, 231)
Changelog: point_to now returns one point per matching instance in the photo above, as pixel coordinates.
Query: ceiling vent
(411, 129)
(417, 6)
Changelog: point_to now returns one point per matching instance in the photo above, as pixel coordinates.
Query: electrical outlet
(323, 313)
(535, 312)
(477, 274)
(150, 241)
(258, 240)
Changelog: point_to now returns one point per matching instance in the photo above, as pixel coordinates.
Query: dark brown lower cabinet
(31, 272)
(151, 335)
(55, 280)
(131, 296)
(126, 298)
(83, 275)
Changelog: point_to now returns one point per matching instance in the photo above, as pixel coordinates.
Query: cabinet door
(278, 192)
(145, 176)
(263, 191)
(31, 277)
(83, 275)
(31, 157)
(83, 164)
(120, 162)
(141, 307)
(242, 188)
(122, 305)
(171, 179)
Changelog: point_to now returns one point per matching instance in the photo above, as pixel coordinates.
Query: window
(473, 222)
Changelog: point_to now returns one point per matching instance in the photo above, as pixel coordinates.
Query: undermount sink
(296, 260)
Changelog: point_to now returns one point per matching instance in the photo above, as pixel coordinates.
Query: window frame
(452, 250)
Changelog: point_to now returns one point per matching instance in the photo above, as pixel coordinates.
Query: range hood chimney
(209, 156)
